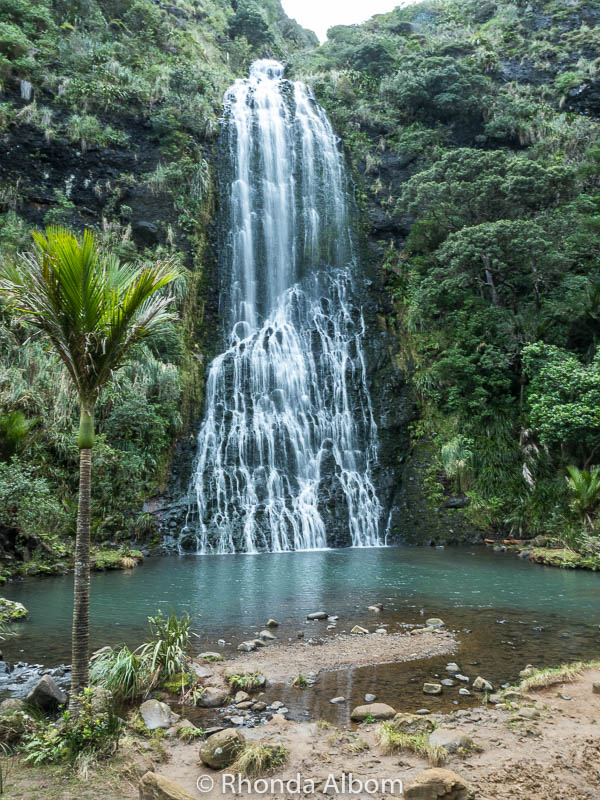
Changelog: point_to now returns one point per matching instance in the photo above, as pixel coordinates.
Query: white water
(288, 440)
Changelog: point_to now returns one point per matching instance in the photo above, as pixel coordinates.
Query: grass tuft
(393, 741)
(247, 681)
(550, 676)
(260, 759)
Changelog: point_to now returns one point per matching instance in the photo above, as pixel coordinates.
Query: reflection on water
(507, 612)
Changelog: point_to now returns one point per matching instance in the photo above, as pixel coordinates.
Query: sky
(319, 15)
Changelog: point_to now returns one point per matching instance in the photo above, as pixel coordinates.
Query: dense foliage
(108, 118)
(471, 127)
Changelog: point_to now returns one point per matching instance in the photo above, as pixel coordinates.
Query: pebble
(337, 700)
(462, 678)
(357, 629)
(464, 692)
(381, 631)
(447, 682)
(432, 688)
(452, 667)
(317, 615)
(370, 698)
(272, 623)
(423, 712)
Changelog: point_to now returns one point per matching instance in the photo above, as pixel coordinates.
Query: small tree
(584, 488)
(94, 311)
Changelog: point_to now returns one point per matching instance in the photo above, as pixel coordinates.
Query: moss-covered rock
(11, 611)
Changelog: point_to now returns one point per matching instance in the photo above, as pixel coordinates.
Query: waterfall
(288, 441)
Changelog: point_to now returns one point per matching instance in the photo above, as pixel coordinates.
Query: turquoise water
(497, 597)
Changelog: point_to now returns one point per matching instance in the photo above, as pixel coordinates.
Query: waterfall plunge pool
(506, 612)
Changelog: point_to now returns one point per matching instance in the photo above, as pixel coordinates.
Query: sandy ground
(555, 757)
(283, 662)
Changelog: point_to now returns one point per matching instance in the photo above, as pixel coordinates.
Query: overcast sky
(319, 15)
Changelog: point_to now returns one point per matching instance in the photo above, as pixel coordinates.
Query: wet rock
(438, 784)
(11, 611)
(247, 647)
(212, 730)
(434, 622)
(370, 698)
(527, 672)
(450, 740)
(423, 712)
(244, 705)
(221, 749)
(317, 615)
(447, 682)
(358, 630)
(156, 787)
(481, 685)
(272, 623)
(337, 700)
(210, 655)
(412, 723)
(432, 688)
(236, 720)
(464, 692)
(145, 233)
(267, 635)
(212, 697)
(157, 715)
(46, 695)
(300, 634)
(258, 706)
(375, 710)
(276, 705)
(461, 678)
(452, 668)
(241, 697)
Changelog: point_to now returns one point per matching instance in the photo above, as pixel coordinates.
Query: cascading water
(288, 440)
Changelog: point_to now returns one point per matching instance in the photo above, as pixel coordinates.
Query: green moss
(11, 611)
(565, 559)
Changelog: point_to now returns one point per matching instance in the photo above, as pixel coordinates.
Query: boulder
(241, 697)
(267, 635)
(412, 723)
(247, 647)
(260, 705)
(210, 655)
(11, 611)
(157, 715)
(438, 784)
(481, 685)
(46, 695)
(358, 629)
(317, 615)
(156, 787)
(435, 622)
(11, 705)
(432, 688)
(375, 710)
(212, 697)
(450, 740)
(222, 748)
(272, 623)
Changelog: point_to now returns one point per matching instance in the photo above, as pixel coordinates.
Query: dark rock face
(46, 695)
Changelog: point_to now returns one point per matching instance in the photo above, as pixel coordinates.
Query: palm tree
(94, 310)
(584, 488)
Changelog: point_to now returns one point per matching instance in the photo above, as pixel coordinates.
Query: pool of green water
(507, 612)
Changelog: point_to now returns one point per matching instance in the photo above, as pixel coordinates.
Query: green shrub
(124, 673)
(88, 733)
(248, 681)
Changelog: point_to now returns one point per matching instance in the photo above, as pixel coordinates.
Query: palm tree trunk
(81, 601)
